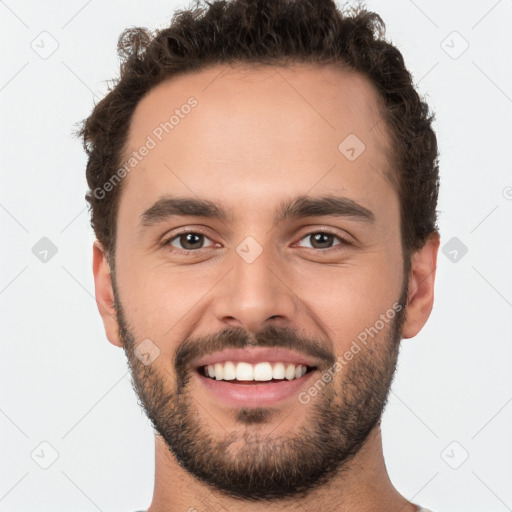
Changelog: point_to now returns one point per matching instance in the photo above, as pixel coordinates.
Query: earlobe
(105, 294)
(421, 286)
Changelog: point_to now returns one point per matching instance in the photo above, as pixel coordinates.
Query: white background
(62, 382)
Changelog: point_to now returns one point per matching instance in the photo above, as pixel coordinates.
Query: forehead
(249, 132)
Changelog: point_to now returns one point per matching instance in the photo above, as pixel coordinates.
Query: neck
(362, 486)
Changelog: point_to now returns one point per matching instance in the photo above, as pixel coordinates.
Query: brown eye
(323, 240)
(188, 241)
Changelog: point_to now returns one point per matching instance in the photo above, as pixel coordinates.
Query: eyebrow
(298, 207)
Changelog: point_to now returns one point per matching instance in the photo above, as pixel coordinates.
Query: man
(263, 183)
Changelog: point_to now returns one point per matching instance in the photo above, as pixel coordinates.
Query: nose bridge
(253, 291)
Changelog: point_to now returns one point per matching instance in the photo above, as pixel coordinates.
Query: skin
(258, 137)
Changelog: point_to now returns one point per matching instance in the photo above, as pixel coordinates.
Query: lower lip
(255, 395)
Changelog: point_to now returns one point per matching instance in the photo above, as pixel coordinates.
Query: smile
(261, 372)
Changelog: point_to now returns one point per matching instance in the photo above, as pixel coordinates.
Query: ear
(105, 294)
(421, 286)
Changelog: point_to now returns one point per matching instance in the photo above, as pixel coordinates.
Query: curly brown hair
(275, 33)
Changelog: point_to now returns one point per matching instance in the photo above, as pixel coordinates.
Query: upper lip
(256, 355)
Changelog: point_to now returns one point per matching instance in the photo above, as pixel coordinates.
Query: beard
(247, 464)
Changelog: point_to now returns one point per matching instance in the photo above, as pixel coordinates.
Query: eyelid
(312, 229)
(183, 231)
(326, 231)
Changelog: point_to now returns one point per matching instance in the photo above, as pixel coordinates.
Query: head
(263, 174)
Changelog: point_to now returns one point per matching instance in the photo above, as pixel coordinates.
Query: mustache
(237, 338)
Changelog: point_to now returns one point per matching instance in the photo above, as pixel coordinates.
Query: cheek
(158, 298)
(348, 299)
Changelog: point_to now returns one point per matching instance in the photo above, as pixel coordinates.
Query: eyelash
(192, 252)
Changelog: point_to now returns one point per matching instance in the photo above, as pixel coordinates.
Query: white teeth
(259, 372)
(244, 371)
(229, 372)
(300, 371)
(290, 372)
(263, 371)
(218, 371)
(278, 371)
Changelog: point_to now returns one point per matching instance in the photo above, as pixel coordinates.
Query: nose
(253, 294)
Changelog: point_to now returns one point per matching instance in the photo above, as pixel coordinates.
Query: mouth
(254, 377)
(249, 374)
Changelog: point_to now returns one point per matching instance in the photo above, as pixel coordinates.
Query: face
(255, 241)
